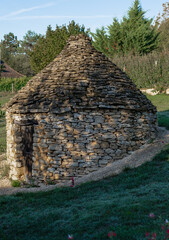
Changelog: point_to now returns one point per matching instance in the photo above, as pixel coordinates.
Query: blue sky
(19, 16)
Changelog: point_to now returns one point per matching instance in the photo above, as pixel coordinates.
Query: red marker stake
(73, 182)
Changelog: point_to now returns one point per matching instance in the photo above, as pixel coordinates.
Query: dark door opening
(27, 140)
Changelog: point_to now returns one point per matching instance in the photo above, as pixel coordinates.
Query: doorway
(27, 131)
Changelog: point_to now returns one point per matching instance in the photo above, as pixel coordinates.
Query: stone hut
(9, 72)
(77, 115)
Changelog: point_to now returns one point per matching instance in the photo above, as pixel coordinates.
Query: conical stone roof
(9, 72)
(79, 78)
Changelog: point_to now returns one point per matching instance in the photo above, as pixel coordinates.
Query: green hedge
(146, 71)
(151, 70)
(15, 84)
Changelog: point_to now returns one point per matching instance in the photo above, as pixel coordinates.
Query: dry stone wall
(76, 143)
(78, 114)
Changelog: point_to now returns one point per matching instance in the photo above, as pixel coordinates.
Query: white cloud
(24, 10)
(59, 17)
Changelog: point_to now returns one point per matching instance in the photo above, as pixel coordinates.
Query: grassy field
(160, 101)
(162, 104)
(7, 84)
(130, 204)
(120, 204)
(4, 98)
(2, 135)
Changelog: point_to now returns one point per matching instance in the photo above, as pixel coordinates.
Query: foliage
(4, 171)
(162, 22)
(2, 113)
(10, 42)
(15, 183)
(161, 102)
(5, 97)
(134, 34)
(101, 40)
(2, 67)
(18, 83)
(20, 63)
(164, 16)
(15, 53)
(2, 135)
(162, 233)
(49, 46)
(164, 35)
(151, 70)
(29, 41)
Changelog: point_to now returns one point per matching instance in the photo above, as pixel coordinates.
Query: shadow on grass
(121, 204)
(163, 119)
(163, 155)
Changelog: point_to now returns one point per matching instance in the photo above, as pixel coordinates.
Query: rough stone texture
(85, 112)
(137, 158)
(9, 72)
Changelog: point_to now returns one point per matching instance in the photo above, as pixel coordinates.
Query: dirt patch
(144, 154)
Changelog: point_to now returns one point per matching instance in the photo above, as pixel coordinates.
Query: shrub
(15, 183)
(15, 84)
(5, 171)
(2, 113)
(146, 71)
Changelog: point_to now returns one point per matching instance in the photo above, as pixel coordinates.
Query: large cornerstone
(77, 115)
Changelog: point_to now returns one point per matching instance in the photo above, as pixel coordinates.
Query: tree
(164, 35)
(29, 40)
(5, 53)
(165, 14)
(9, 46)
(10, 42)
(15, 52)
(116, 37)
(162, 22)
(2, 67)
(49, 46)
(134, 34)
(101, 40)
(141, 36)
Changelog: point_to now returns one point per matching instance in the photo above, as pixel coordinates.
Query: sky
(19, 16)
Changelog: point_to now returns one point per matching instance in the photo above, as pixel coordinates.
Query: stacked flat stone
(88, 113)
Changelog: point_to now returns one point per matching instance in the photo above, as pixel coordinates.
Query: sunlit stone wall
(76, 143)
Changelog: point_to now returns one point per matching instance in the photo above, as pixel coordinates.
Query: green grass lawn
(5, 97)
(162, 104)
(163, 119)
(2, 135)
(160, 101)
(121, 204)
